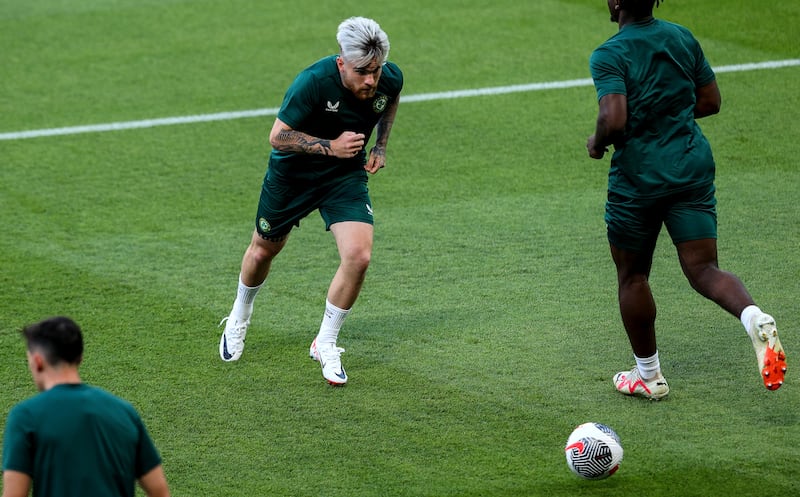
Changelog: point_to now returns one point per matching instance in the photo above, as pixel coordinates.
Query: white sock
(649, 367)
(243, 305)
(747, 316)
(331, 323)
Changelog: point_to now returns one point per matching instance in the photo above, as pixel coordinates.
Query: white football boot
(328, 356)
(632, 383)
(769, 351)
(231, 343)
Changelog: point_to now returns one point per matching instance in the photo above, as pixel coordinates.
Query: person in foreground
(318, 162)
(73, 439)
(653, 81)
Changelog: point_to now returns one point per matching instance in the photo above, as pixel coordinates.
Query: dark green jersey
(318, 104)
(658, 66)
(78, 441)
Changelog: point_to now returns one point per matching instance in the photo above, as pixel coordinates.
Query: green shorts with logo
(634, 224)
(283, 204)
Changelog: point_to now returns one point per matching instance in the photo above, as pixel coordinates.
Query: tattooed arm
(377, 156)
(284, 138)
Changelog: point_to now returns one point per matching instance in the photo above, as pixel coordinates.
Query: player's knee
(701, 276)
(261, 253)
(358, 260)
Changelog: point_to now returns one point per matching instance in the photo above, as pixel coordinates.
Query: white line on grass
(227, 116)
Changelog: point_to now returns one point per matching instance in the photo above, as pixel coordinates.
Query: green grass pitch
(487, 328)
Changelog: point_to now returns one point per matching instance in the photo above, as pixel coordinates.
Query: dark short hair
(639, 7)
(59, 339)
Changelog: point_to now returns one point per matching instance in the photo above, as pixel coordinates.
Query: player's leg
(633, 227)
(354, 243)
(278, 210)
(636, 303)
(347, 211)
(692, 224)
(699, 263)
(256, 263)
(257, 259)
(638, 310)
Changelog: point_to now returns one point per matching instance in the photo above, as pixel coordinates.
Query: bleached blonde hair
(361, 41)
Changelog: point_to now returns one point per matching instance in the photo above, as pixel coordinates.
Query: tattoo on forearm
(383, 125)
(294, 141)
(382, 130)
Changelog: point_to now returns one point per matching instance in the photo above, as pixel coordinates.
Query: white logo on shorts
(369, 209)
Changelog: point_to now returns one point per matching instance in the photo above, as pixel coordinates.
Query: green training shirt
(658, 66)
(318, 104)
(76, 440)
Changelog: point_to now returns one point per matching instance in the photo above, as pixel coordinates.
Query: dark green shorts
(282, 206)
(634, 224)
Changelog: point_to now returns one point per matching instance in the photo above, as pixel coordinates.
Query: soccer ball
(593, 451)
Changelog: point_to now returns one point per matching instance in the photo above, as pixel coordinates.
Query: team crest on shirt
(379, 104)
(263, 224)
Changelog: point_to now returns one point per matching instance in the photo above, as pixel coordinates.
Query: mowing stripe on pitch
(422, 97)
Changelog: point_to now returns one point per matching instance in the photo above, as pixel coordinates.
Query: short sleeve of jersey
(703, 73)
(147, 456)
(607, 73)
(393, 77)
(18, 445)
(299, 99)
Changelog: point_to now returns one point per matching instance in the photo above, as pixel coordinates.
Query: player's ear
(36, 361)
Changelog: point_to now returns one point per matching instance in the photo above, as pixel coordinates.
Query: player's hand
(594, 151)
(377, 159)
(348, 145)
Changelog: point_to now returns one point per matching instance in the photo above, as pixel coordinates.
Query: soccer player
(73, 439)
(318, 162)
(653, 81)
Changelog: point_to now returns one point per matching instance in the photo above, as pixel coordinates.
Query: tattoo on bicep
(294, 141)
